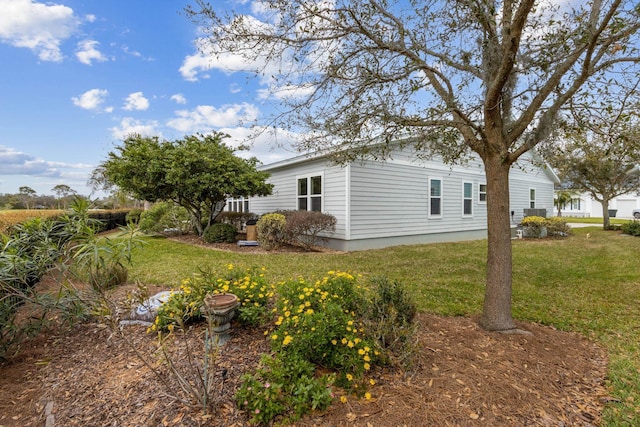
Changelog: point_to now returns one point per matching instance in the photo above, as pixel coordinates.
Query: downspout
(347, 199)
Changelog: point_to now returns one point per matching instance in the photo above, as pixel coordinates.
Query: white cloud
(193, 65)
(267, 144)
(37, 26)
(14, 162)
(136, 101)
(204, 118)
(91, 99)
(286, 92)
(179, 98)
(87, 52)
(129, 126)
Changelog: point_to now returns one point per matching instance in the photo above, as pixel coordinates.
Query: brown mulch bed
(461, 376)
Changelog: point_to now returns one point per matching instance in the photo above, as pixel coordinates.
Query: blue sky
(76, 77)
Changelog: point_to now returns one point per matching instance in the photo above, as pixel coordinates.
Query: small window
(532, 198)
(467, 198)
(238, 205)
(482, 193)
(303, 192)
(316, 193)
(575, 204)
(310, 193)
(435, 197)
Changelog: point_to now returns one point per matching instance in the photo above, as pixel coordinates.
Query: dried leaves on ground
(461, 376)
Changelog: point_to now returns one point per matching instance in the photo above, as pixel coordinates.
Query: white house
(404, 200)
(584, 205)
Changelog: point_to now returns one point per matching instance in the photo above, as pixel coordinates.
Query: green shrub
(220, 233)
(534, 226)
(283, 386)
(250, 286)
(322, 323)
(133, 216)
(557, 227)
(308, 228)
(388, 318)
(237, 219)
(632, 228)
(271, 230)
(165, 217)
(539, 227)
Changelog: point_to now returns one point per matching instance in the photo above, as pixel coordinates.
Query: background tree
(199, 172)
(598, 151)
(441, 76)
(562, 197)
(63, 191)
(27, 193)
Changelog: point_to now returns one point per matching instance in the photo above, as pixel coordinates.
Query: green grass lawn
(595, 220)
(590, 285)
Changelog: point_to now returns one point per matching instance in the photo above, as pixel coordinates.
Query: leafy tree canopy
(598, 149)
(457, 75)
(198, 172)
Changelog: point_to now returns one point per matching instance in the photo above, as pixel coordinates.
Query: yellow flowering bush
(326, 323)
(250, 286)
(557, 227)
(321, 322)
(537, 227)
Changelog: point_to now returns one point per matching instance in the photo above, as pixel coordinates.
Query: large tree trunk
(496, 314)
(606, 221)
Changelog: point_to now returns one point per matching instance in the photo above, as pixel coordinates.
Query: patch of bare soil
(463, 376)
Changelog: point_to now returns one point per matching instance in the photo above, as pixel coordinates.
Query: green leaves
(198, 172)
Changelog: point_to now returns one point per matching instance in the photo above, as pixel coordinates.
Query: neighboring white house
(404, 200)
(584, 205)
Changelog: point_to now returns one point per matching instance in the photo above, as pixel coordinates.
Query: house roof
(303, 158)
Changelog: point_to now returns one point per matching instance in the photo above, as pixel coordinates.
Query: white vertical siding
(284, 195)
(525, 175)
(390, 200)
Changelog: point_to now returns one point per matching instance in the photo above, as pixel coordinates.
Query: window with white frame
(575, 204)
(238, 205)
(310, 193)
(482, 193)
(435, 197)
(467, 198)
(532, 198)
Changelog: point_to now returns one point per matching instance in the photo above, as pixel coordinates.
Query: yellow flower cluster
(249, 286)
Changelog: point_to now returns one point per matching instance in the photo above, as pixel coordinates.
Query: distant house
(404, 200)
(583, 205)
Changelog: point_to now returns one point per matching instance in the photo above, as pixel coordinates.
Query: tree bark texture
(497, 300)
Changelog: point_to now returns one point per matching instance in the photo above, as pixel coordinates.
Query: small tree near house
(199, 172)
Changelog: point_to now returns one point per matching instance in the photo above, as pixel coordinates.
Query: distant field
(9, 218)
